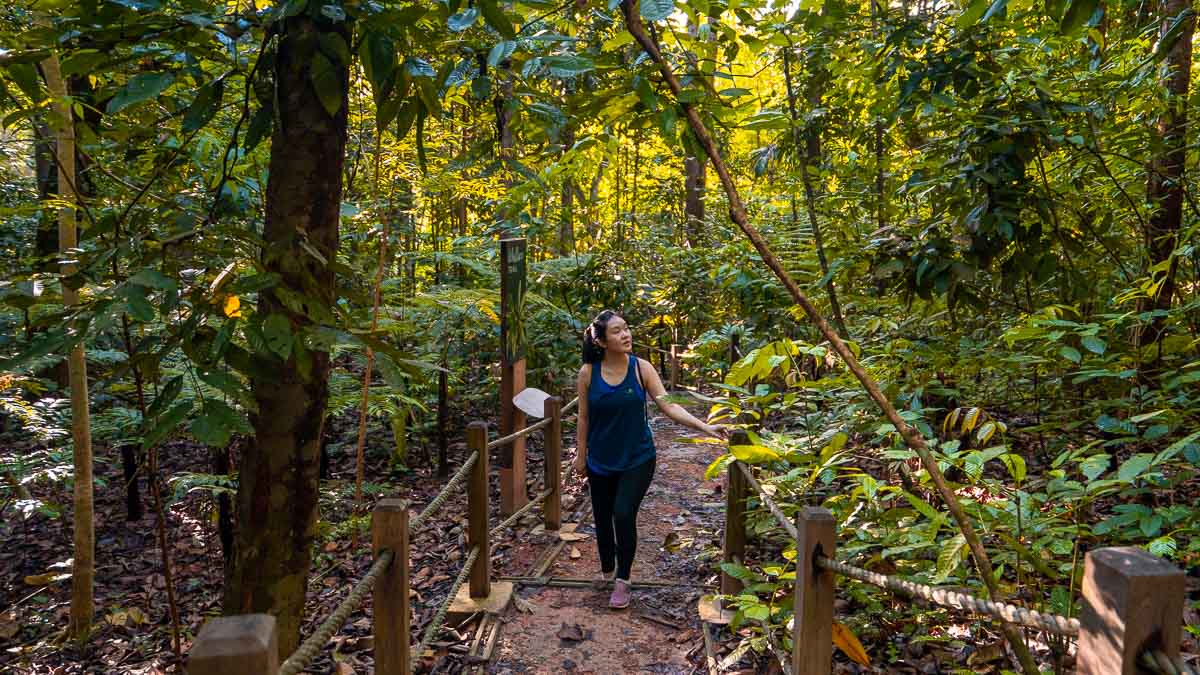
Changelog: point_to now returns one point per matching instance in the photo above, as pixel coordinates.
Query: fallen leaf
(343, 668)
(9, 627)
(46, 579)
(572, 632)
(575, 553)
(845, 640)
(671, 542)
(523, 605)
(572, 536)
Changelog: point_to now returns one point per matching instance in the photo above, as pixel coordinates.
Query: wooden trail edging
(1131, 620)
(248, 643)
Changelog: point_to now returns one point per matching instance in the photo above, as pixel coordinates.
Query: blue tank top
(619, 436)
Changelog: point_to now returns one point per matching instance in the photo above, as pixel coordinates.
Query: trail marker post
(512, 372)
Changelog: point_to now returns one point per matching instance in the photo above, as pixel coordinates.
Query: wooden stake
(246, 643)
(552, 508)
(477, 508)
(1132, 601)
(812, 633)
(389, 530)
(735, 518)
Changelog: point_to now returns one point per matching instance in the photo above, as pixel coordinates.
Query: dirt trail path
(551, 629)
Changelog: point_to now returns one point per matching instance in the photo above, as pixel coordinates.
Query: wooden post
(552, 508)
(674, 367)
(246, 643)
(735, 518)
(812, 634)
(477, 509)
(389, 530)
(1132, 601)
(512, 373)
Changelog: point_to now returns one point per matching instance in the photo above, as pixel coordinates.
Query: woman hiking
(616, 447)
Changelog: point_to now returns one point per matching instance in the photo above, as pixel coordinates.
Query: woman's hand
(718, 432)
(581, 464)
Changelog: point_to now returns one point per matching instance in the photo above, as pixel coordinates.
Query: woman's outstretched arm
(676, 412)
(581, 426)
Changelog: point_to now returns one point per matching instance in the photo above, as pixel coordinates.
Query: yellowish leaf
(46, 579)
(971, 419)
(845, 640)
(232, 306)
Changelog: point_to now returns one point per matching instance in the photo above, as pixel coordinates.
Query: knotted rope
(451, 485)
(436, 623)
(1156, 661)
(1051, 623)
(533, 503)
(303, 656)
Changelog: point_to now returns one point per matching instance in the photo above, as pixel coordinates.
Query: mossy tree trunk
(278, 487)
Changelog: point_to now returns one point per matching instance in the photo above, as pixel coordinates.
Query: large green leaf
(496, 18)
(1077, 15)
(656, 10)
(141, 87)
(204, 106)
(277, 332)
(463, 20)
(327, 82)
(753, 454)
(378, 56)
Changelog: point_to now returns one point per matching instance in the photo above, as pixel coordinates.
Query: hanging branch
(912, 438)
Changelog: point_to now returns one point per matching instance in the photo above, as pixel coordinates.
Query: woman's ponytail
(593, 351)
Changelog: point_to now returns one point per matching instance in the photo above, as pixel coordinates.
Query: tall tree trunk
(277, 491)
(811, 152)
(84, 568)
(566, 226)
(695, 170)
(1165, 174)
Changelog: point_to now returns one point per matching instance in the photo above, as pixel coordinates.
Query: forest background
(988, 199)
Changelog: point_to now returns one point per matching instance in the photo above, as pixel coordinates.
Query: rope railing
(304, 654)
(1157, 661)
(451, 485)
(521, 512)
(766, 499)
(434, 624)
(520, 433)
(1050, 623)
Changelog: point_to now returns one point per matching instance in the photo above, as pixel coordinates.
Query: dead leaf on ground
(343, 668)
(9, 627)
(572, 536)
(46, 579)
(845, 640)
(575, 554)
(711, 612)
(571, 632)
(523, 605)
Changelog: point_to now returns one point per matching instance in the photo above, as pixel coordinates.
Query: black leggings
(615, 503)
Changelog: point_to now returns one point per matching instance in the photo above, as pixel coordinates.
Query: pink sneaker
(620, 596)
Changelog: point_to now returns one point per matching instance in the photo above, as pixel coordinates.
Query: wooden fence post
(1132, 601)
(812, 633)
(735, 517)
(389, 530)
(674, 367)
(477, 507)
(246, 643)
(552, 508)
